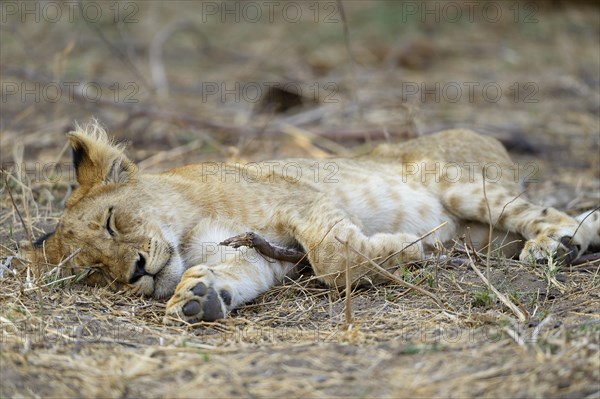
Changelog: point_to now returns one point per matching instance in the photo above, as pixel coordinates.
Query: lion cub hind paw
(565, 251)
(201, 302)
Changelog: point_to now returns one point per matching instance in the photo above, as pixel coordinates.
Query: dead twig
(253, 240)
(490, 230)
(348, 300)
(14, 204)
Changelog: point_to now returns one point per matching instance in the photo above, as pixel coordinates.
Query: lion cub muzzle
(139, 270)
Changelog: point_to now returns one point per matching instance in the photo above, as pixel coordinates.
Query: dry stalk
(490, 230)
(173, 153)
(68, 258)
(492, 223)
(304, 139)
(14, 204)
(515, 336)
(414, 242)
(536, 331)
(581, 222)
(392, 277)
(520, 315)
(50, 283)
(348, 301)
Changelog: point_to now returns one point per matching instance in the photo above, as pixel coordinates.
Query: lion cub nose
(140, 269)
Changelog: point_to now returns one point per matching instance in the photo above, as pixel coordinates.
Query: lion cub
(158, 235)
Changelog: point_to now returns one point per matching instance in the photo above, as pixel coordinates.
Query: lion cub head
(111, 225)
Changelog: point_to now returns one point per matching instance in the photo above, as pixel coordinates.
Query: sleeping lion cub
(159, 235)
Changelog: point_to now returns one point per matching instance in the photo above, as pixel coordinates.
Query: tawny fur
(158, 234)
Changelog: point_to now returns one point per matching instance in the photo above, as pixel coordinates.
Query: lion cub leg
(323, 231)
(208, 293)
(547, 231)
(223, 278)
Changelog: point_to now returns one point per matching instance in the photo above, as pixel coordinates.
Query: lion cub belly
(384, 203)
(398, 209)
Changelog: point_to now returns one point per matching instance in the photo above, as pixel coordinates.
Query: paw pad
(191, 308)
(207, 304)
(212, 307)
(199, 289)
(226, 296)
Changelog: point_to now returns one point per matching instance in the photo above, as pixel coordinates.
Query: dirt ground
(242, 81)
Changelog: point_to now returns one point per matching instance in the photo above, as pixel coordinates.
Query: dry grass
(60, 339)
(76, 341)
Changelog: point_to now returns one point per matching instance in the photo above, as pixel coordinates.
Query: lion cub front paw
(198, 297)
(565, 250)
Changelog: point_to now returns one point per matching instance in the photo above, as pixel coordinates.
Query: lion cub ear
(97, 159)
